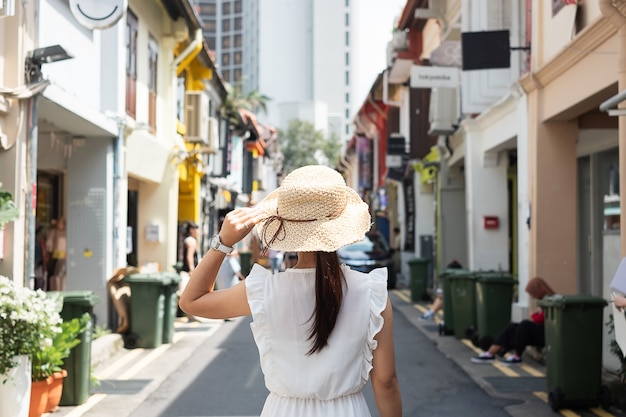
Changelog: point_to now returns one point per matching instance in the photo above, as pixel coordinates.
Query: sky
(375, 22)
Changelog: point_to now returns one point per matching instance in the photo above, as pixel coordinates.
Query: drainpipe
(615, 12)
(193, 49)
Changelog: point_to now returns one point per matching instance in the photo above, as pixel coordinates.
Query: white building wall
(486, 195)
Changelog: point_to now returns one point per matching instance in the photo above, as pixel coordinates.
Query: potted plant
(48, 362)
(28, 322)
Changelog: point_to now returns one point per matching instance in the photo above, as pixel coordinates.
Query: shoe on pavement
(511, 360)
(427, 316)
(484, 357)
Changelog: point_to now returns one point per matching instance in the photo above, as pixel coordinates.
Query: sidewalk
(526, 382)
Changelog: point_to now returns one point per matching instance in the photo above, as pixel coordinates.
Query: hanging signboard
(433, 77)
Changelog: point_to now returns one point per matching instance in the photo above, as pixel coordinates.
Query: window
(238, 41)
(226, 8)
(209, 26)
(347, 3)
(347, 97)
(347, 19)
(132, 26)
(347, 113)
(226, 42)
(238, 23)
(207, 9)
(153, 59)
(347, 129)
(226, 75)
(237, 75)
(347, 77)
(347, 38)
(237, 58)
(238, 6)
(225, 25)
(347, 59)
(226, 59)
(210, 40)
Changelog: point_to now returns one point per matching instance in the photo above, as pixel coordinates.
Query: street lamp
(34, 60)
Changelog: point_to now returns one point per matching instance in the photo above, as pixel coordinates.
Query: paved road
(212, 369)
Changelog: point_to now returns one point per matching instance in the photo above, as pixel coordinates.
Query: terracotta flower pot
(55, 390)
(39, 397)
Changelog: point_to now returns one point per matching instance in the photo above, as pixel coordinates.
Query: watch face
(215, 241)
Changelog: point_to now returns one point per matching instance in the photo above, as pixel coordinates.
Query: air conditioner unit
(436, 8)
(7, 8)
(197, 117)
(214, 134)
(443, 113)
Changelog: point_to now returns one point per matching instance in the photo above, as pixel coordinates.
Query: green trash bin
(147, 309)
(418, 269)
(463, 300)
(494, 296)
(447, 327)
(573, 330)
(171, 282)
(245, 260)
(78, 363)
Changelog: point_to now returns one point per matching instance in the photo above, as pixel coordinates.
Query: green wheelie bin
(494, 295)
(463, 291)
(573, 329)
(171, 282)
(147, 309)
(78, 363)
(245, 260)
(447, 327)
(418, 268)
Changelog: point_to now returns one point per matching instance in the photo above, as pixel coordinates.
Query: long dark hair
(329, 282)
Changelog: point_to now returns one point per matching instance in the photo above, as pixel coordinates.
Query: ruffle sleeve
(378, 302)
(255, 291)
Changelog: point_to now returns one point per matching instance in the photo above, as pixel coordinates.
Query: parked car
(370, 253)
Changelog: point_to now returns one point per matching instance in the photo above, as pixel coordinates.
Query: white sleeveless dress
(328, 383)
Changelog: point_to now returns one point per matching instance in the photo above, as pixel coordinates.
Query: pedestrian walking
(322, 330)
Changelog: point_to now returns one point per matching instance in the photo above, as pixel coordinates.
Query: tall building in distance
(297, 52)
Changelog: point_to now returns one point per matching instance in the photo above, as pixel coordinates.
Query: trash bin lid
(157, 278)
(455, 271)
(418, 261)
(461, 274)
(494, 277)
(564, 301)
(84, 298)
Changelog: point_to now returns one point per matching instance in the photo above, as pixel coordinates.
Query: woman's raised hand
(238, 223)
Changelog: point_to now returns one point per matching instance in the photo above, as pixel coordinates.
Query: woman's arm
(199, 297)
(384, 379)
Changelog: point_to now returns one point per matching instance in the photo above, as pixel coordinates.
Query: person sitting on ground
(517, 336)
(438, 302)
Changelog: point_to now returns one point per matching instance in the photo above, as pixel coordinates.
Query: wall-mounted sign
(433, 77)
(98, 14)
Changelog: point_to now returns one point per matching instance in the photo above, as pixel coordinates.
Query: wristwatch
(217, 244)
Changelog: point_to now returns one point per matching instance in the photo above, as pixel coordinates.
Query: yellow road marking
(121, 362)
(505, 369)
(86, 406)
(470, 345)
(403, 296)
(600, 412)
(532, 371)
(564, 412)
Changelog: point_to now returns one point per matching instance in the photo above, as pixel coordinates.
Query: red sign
(491, 222)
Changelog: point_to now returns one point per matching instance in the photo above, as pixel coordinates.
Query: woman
(321, 329)
(516, 336)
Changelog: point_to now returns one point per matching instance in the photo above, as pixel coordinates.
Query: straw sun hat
(313, 210)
